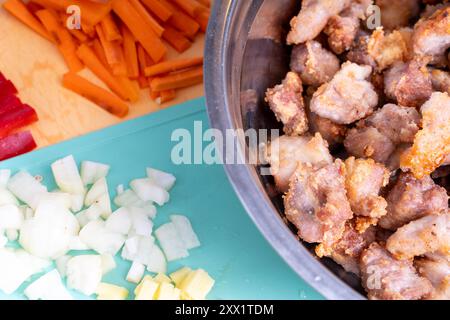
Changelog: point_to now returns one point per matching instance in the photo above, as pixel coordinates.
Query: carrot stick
(203, 20)
(144, 59)
(132, 91)
(34, 7)
(111, 48)
(182, 21)
(130, 53)
(65, 42)
(80, 35)
(191, 7)
(143, 82)
(158, 9)
(110, 29)
(149, 40)
(89, 30)
(20, 11)
(153, 94)
(92, 62)
(166, 96)
(176, 39)
(178, 80)
(206, 3)
(148, 19)
(172, 66)
(99, 52)
(96, 94)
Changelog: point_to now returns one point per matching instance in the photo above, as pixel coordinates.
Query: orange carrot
(172, 66)
(148, 19)
(96, 94)
(178, 80)
(206, 3)
(99, 52)
(34, 7)
(203, 19)
(110, 29)
(166, 96)
(92, 62)
(144, 59)
(143, 82)
(153, 94)
(130, 53)
(66, 44)
(80, 35)
(20, 11)
(191, 7)
(176, 39)
(158, 9)
(182, 21)
(130, 88)
(112, 49)
(149, 40)
(89, 30)
(91, 12)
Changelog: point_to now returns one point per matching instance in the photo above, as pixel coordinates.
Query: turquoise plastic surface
(233, 251)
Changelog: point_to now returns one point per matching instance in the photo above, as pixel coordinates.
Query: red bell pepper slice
(7, 88)
(8, 103)
(16, 144)
(2, 78)
(17, 118)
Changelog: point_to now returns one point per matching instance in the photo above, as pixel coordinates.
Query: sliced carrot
(110, 29)
(144, 59)
(120, 68)
(153, 94)
(181, 21)
(65, 42)
(158, 9)
(176, 39)
(130, 53)
(88, 29)
(191, 7)
(149, 40)
(178, 80)
(99, 52)
(91, 12)
(143, 82)
(92, 62)
(166, 96)
(111, 48)
(34, 7)
(96, 94)
(172, 66)
(206, 3)
(20, 11)
(130, 88)
(78, 34)
(203, 20)
(148, 19)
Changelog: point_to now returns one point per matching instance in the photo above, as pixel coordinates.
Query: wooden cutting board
(36, 68)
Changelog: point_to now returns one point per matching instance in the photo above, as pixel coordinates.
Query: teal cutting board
(233, 251)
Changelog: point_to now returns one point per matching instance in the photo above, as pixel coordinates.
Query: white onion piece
(6, 197)
(76, 244)
(90, 214)
(5, 174)
(99, 195)
(84, 273)
(119, 221)
(98, 238)
(185, 230)
(171, 242)
(77, 202)
(60, 199)
(67, 177)
(3, 241)
(149, 191)
(128, 198)
(61, 264)
(12, 234)
(136, 272)
(92, 171)
(48, 233)
(11, 217)
(148, 210)
(16, 266)
(161, 178)
(48, 287)
(157, 262)
(141, 224)
(108, 263)
(120, 189)
(131, 248)
(25, 187)
(28, 213)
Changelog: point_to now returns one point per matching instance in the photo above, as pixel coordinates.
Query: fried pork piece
(364, 180)
(397, 13)
(400, 124)
(286, 102)
(425, 235)
(393, 163)
(285, 153)
(408, 83)
(368, 142)
(432, 143)
(411, 199)
(359, 52)
(342, 29)
(440, 80)
(348, 97)
(386, 49)
(313, 63)
(436, 268)
(386, 278)
(317, 203)
(432, 35)
(313, 17)
(347, 250)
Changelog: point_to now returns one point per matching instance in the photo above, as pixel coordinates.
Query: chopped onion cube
(11, 217)
(157, 262)
(185, 230)
(120, 221)
(25, 187)
(67, 176)
(77, 202)
(3, 241)
(148, 210)
(171, 242)
(84, 273)
(120, 189)
(99, 195)
(93, 171)
(76, 244)
(48, 287)
(6, 197)
(98, 238)
(141, 224)
(61, 264)
(149, 191)
(161, 178)
(108, 263)
(5, 174)
(12, 234)
(130, 248)
(136, 272)
(128, 198)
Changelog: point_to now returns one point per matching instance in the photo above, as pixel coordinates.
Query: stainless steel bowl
(245, 54)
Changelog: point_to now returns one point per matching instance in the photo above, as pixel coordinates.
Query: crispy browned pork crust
(397, 13)
(436, 268)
